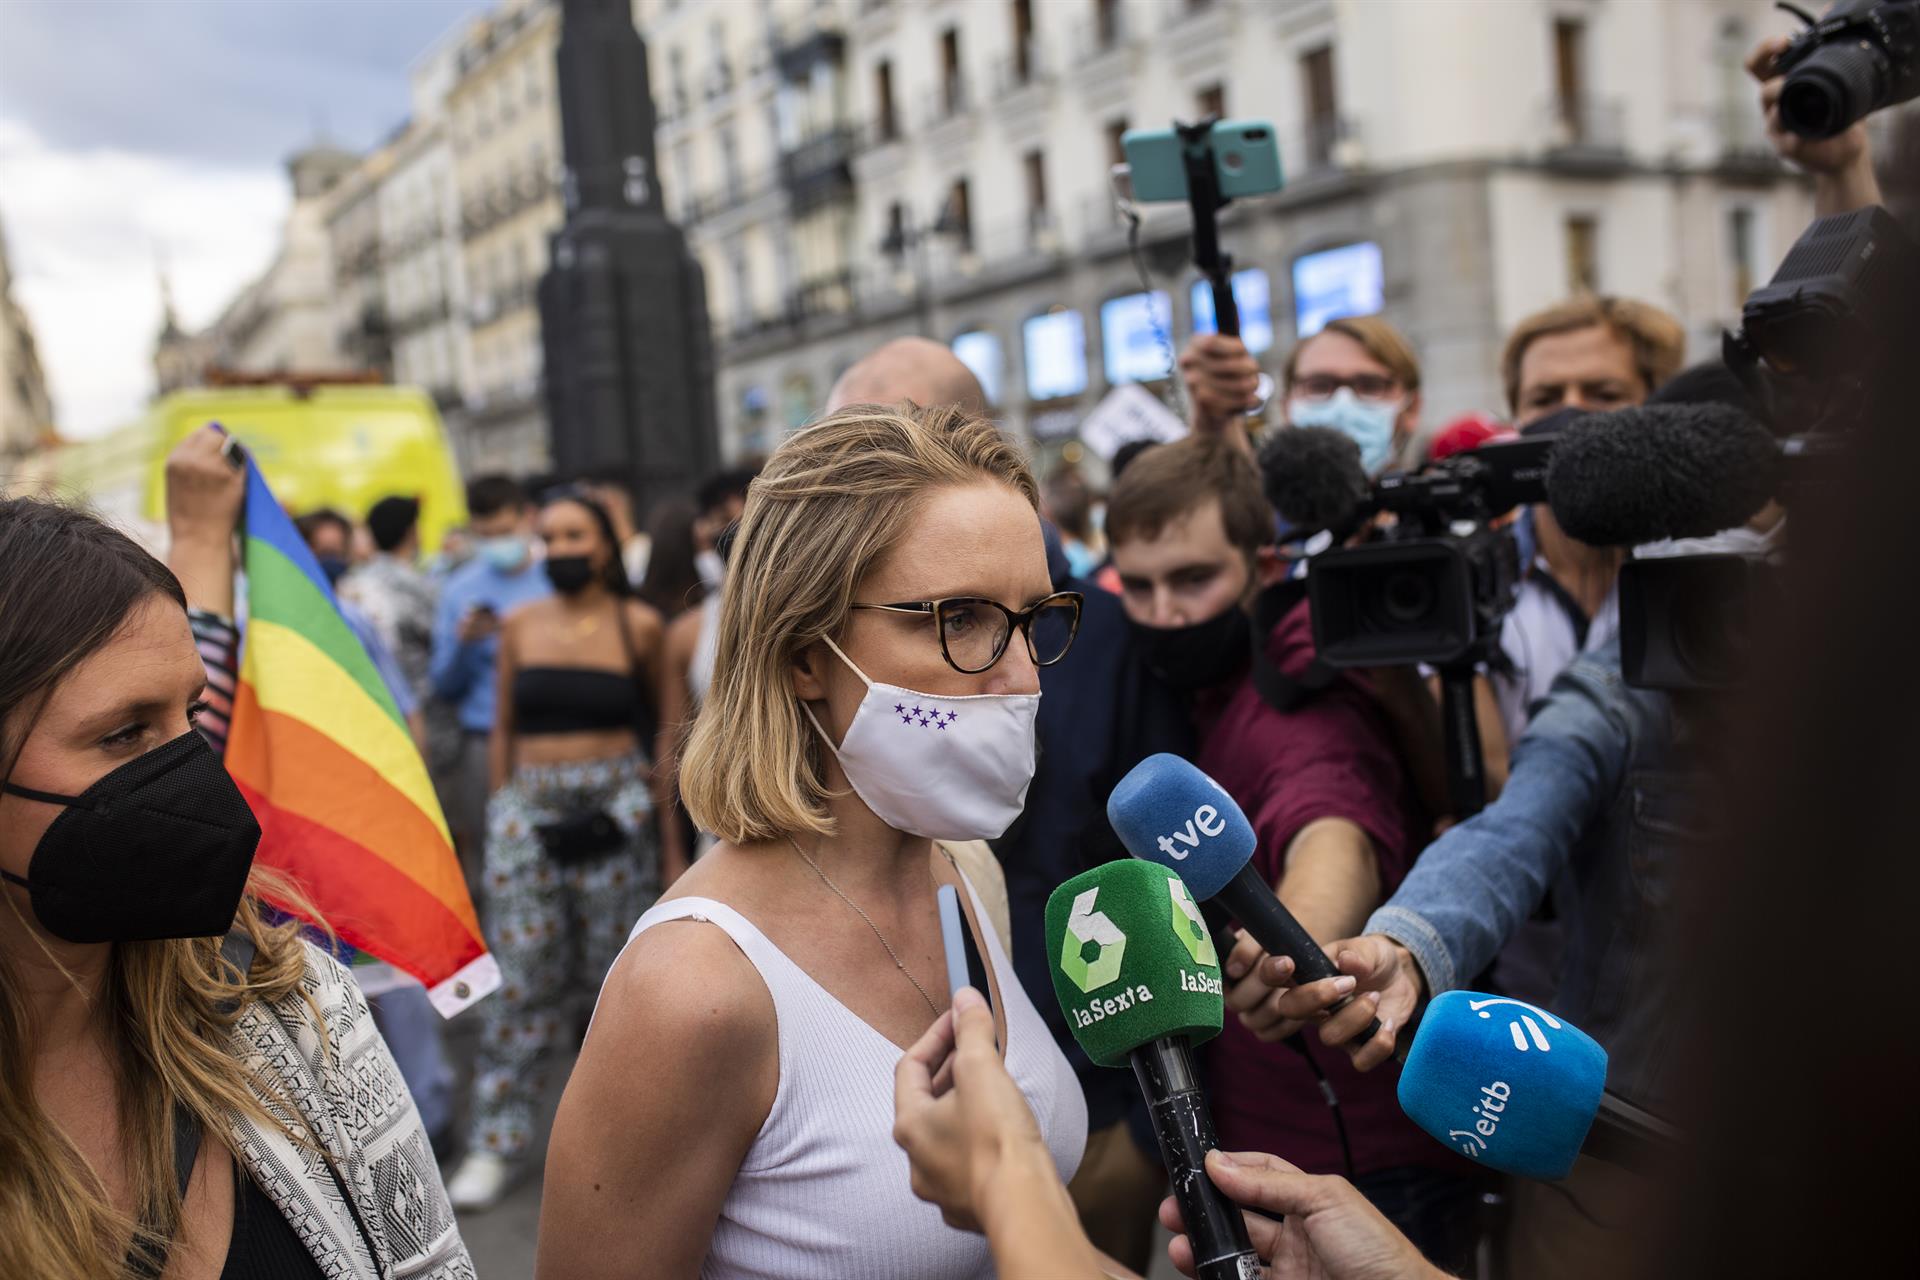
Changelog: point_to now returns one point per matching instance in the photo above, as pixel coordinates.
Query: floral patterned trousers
(555, 930)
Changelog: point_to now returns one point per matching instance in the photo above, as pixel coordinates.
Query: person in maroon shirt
(1311, 757)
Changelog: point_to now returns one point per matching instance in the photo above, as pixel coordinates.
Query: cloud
(85, 228)
(133, 128)
(220, 81)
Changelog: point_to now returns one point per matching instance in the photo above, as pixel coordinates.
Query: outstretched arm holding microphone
(976, 1153)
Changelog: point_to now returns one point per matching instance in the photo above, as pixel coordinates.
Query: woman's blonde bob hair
(828, 505)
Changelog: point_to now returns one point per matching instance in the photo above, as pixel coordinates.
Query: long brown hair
(70, 583)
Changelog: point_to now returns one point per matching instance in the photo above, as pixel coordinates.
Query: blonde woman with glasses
(886, 608)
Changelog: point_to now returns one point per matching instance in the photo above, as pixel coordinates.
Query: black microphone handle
(1184, 1126)
(1262, 914)
(1626, 1136)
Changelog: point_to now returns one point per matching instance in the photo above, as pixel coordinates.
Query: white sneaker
(480, 1181)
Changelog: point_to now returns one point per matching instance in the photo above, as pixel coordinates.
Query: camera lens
(1837, 85)
(1711, 624)
(1232, 161)
(1407, 597)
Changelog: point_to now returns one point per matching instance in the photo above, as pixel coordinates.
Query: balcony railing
(820, 169)
(730, 194)
(482, 212)
(1014, 72)
(1331, 145)
(1743, 140)
(1101, 35)
(949, 101)
(826, 295)
(408, 323)
(1586, 127)
(882, 130)
(1020, 241)
(800, 46)
(489, 307)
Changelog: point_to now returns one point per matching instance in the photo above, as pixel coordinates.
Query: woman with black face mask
(186, 1090)
(571, 854)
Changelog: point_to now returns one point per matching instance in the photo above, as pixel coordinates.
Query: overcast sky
(137, 130)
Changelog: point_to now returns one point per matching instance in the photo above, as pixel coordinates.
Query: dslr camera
(1862, 56)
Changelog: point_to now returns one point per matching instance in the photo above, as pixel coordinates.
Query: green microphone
(1138, 978)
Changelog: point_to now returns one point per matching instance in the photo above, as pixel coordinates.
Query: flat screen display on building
(1136, 337)
(1055, 343)
(981, 352)
(1346, 281)
(1253, 295)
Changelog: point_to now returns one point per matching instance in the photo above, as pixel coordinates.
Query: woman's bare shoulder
(685, 984)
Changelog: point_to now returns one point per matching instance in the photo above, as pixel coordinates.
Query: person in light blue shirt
(501, 576)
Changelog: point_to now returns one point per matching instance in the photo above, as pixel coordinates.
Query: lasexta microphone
(1139, 982)
(1168, 812)
(1660, 471)
(1513, 1087)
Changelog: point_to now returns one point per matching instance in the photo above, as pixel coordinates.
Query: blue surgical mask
(1368, 423)
(507, 553)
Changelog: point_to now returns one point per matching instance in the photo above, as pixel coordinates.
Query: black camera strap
(1276, 688)
(1576, 614)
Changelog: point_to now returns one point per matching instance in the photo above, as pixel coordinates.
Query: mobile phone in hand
(965, 968)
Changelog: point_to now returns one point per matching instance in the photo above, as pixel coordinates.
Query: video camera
(1817, 348)
(1435, 585)
(1436, 580)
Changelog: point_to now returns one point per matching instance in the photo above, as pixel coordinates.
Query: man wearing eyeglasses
(1357, 375)
(1309, 754)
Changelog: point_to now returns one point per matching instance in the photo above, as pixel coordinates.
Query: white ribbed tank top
(823, 1193)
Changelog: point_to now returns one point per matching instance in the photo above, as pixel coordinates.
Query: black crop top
(264, 1245)
(572, 700)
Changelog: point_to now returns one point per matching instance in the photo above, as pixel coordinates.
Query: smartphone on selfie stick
(1208, 165)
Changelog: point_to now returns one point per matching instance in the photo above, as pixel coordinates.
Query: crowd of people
(706, 779)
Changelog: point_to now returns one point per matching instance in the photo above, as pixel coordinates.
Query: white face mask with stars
(948, 768)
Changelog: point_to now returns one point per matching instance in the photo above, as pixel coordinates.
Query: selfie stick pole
(1203, 196)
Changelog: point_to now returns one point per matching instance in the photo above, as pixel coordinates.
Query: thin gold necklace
(894, 955)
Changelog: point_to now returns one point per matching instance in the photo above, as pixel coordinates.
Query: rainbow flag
(341, 794)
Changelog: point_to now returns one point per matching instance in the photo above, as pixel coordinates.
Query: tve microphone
(1660, 471)
(1503, 1082)
(1139, 980)
(1168, 812)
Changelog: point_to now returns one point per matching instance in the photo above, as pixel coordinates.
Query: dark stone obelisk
(623, 305)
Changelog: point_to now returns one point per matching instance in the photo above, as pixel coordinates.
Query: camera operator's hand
(1330, 1231)
(1222, 379)
(1841, 166)
(1390, 987)
(206, 490)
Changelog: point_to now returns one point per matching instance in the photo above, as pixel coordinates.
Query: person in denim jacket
(1609, 783)
(1599, 786)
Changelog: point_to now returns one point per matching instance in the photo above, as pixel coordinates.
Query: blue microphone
(1167, 811)
(1504, 1083)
